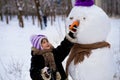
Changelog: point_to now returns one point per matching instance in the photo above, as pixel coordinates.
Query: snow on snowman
(91, 57)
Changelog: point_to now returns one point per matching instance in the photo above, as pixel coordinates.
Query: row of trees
(50, 8)
(111, 7)
(37, 8)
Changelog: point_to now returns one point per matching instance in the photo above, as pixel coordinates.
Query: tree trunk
(51, 17)
(1, 17)
(33, 20)
(37, 4)
(7, 20)
(98, 3)
(20, 19)
(20, 10)
(69, 7)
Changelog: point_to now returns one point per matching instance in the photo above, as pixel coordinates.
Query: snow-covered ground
(15, 46)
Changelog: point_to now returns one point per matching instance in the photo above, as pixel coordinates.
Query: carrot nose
(74, 24)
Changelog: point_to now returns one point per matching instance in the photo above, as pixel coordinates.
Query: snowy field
(15, 46)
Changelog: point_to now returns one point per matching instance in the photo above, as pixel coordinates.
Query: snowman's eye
(84, 18)
(71, 18)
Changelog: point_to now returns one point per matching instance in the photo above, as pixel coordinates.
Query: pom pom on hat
(36, 41)
(84, 3)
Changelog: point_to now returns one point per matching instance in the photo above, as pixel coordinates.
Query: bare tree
(20, 5)
(69, 6)
(111, 7)
(37, 4)
(1, 5)
(21, 8)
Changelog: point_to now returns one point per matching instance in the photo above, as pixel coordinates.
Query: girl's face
(45, 44)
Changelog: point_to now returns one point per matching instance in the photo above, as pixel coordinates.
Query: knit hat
(36, 41)
(84, 3)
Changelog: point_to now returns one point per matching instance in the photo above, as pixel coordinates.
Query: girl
(46, 61)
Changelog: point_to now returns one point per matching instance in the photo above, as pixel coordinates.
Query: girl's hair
(44, 39)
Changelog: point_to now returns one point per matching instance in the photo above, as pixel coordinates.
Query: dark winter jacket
(60, 53)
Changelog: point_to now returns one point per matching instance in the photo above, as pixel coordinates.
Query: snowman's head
(94, 23)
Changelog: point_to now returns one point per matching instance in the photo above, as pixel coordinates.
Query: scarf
(79, 51)
(48, 57)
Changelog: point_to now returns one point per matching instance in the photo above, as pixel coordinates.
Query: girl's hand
(45, 73)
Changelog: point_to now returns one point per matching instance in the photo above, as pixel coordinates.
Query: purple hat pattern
(36, 41)
(84, 3)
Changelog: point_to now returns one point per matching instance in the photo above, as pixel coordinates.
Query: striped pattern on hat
(36, 41)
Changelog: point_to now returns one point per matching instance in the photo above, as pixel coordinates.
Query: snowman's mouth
(74, 28)
(69, 25)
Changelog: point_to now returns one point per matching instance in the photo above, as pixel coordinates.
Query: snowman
(91, 57)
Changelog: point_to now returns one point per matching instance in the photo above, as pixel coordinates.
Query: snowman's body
(94, 27)
(99, 66)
